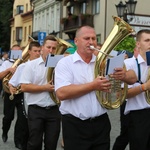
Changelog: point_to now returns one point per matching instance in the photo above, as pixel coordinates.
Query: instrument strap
(139, 72)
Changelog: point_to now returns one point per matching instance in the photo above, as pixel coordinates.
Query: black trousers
(21, 126)
(139, 130)
(91, 134)
(44, 125)
(123, 139)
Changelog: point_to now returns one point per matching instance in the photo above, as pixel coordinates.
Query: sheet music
(148, 58)
(16, 54)
(115, 62)
(52, 60)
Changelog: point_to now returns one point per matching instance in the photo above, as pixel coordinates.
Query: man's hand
(49, 86)
(12, 89)
(12, 70)
(119, 74)
(146, 86)
(102, 84)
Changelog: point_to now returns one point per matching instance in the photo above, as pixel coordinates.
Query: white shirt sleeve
(27, 74)
(15, 79)
(5, 65)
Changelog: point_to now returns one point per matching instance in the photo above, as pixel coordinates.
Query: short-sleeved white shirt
(137, 102)
(73, 70)
(15, 79)
(35, 72)
(6, 64)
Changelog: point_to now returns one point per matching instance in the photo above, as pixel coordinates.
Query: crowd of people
(85, 122)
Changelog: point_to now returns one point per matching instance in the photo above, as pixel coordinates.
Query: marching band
(85, 122)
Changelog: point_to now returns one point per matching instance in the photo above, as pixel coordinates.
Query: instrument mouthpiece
(93, 48)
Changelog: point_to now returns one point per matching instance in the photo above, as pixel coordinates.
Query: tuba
(62, 46)
(25, 57)
(147, 92)
(117, 95)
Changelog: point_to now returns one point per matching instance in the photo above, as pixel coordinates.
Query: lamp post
(124, 9)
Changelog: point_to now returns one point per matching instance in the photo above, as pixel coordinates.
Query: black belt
(141, 110)
(89, 119)
(47, 107)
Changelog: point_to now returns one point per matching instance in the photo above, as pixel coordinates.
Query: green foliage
(5, 15)
(127, 44)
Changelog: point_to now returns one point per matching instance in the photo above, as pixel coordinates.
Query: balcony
(71, 24)
(73, 1)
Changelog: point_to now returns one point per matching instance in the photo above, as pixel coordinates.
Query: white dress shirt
(15, 79)
(6, 64)
(73, 70)
(35, 72)
(137, 102)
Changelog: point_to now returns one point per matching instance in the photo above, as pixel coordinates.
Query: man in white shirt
(137, 106)
(43, 113)
(85, 123)
(9, 106)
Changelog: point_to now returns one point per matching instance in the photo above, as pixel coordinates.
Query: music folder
(115, 62)
(52, 60)
(16, 54)
(148, 58)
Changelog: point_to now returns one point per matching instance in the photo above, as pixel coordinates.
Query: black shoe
(4, 137)
(18, 146)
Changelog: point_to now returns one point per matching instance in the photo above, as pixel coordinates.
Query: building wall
(141, 8)
(20, 20)
(46, 16)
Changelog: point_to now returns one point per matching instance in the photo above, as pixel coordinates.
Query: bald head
(83, 28)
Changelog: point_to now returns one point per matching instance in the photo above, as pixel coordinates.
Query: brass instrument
(25, 57)
(117, 95)
(147, 92)
(63, 45)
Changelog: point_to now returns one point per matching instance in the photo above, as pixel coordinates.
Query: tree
(127, 44)
(5, 15)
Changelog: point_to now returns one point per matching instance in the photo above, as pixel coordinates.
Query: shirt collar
(77, 57)
(140, 59)
(40, 60)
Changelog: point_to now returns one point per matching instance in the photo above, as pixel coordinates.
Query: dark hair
(49, 37)
(139, 33)
(34, 43)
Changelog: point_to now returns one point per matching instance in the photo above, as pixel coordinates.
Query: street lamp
(124, 9)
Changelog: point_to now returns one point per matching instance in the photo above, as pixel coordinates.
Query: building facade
(21, 23)
(63, 17)
(46, 17)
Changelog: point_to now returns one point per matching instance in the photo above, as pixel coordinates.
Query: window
(25, 33)
(19, 9)
(83, 8)
(96, 6)
(13, 35)
(18, 33)
(70, 10)
(26, 7)
(29, 30)
(98, 38)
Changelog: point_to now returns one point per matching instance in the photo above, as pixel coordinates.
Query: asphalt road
(9, 145)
